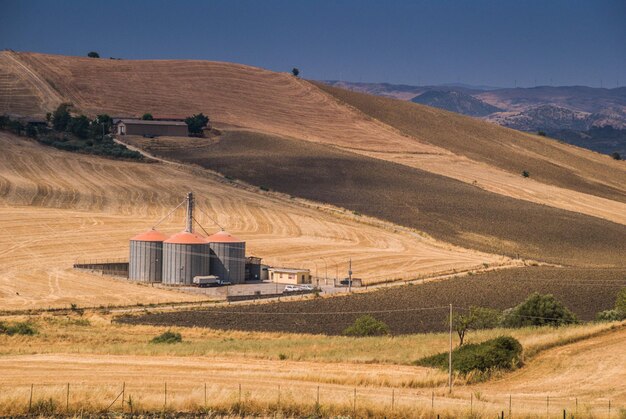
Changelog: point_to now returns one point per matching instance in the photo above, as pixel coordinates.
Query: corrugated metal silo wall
(146, 261)
(181, 262)
(228, 261)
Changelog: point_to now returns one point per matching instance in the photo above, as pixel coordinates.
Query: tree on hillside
(196, 123)
(93, 54)
(295, 71)
(79, 126)
(367, 325)
(476, 318)
(100, 126)
(539, 310)
(61, 117)
(616, 156)
(147, 117)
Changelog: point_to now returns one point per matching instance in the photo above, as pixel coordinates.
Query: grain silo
(228, 260)
(146, 256)
(185, 254)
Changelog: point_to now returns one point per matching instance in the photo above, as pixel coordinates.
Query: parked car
(307, 287)
(292, 288)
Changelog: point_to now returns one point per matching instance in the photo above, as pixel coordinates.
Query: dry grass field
(96, 357)
(446, 209)
(58, 207)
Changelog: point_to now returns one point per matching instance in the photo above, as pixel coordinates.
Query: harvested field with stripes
(58, 207)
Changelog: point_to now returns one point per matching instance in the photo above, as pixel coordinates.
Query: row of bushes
(73, 133)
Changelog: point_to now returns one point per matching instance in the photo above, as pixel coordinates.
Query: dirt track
(58, 207)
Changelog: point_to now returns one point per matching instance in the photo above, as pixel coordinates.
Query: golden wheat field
(279, 104)
(59, 207)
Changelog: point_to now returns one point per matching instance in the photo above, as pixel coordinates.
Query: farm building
(290, 275)
(255, 270)
(151, 128)
(146, 256)
(177, 260)
(228, 257)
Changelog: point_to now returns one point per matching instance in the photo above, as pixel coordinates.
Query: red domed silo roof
(150, 236)
(185, 237)
(223, 237)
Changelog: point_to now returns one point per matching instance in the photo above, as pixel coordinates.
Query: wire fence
(291, 399)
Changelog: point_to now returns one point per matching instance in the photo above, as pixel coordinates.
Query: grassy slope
(547, 160)
(584, 291)
(444, 208)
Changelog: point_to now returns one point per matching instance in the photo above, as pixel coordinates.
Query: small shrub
(19, 328)
(541, 133)
(539, 310)
(264, 188)
(610, 316)
(282, 357)
(367, 325)
(616, 156)
(147, 117)
(93, 54)
(168, 337)
(525, 173)
(295, 71)
(500, 353)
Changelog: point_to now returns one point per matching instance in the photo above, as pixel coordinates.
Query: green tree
(61, 117)
(616, 156)
(196, 123)
(79, 126)
(476, 318)
(295, 71)
(525, 173)
(147, 117)
(539, 310)
(367, 325)
(93, 54)
(100, 126)
(541, 133)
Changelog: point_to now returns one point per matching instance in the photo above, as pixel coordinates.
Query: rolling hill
(455, 101)
(455, 177)
(57, 207)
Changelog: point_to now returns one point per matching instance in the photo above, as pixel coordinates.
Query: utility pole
(450, 355)
(350, 276)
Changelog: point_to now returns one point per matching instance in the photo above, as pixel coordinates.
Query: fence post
(165, 394)
(547, 406)
(393, 398)
(564, 414)
(279, 397)
(432, 400)
(471, 403)
(609, 408)
(204, 394)
(354, 404)
(30, 400)
(67, 399)
(318, 395)
(123, 394)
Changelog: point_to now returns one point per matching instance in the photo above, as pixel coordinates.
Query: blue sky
(498, 43)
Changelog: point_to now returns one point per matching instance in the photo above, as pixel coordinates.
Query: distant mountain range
(572, 114)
